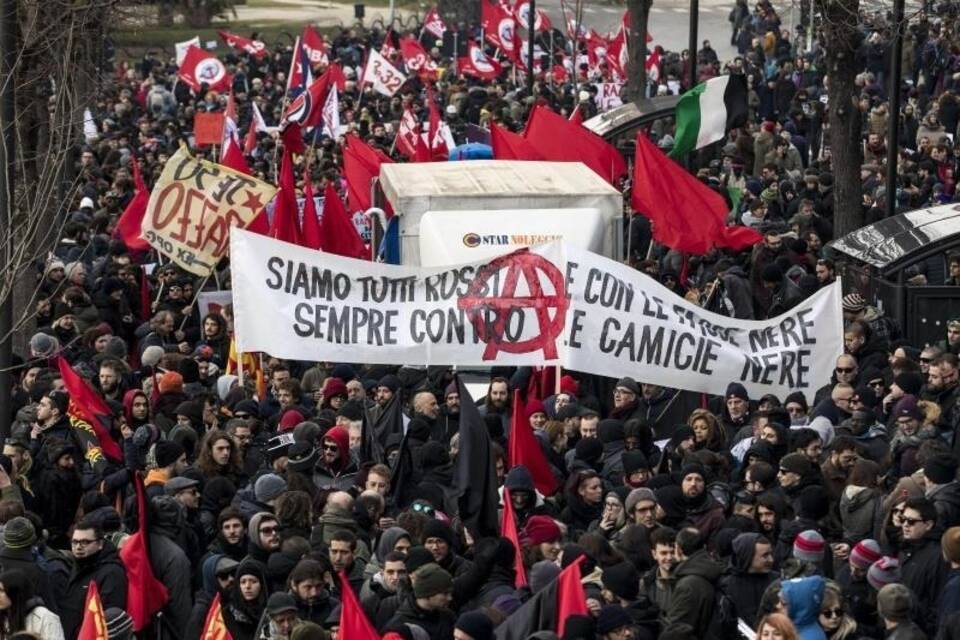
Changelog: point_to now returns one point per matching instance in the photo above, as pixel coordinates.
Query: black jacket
(745, 589)
(108, 572)
(946, 498)
(924, 571)
(438, 624)
(693, 596)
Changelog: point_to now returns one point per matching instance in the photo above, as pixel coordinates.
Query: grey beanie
(151, 356)
(116, 348)
(638, 495)
(43, 345)
(19, 533)
(269, 487)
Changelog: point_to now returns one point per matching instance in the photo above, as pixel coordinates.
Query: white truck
(456, 212)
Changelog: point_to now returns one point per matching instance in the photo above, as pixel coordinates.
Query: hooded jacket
(924, 572)
(860, 512)
(243, 617)
(108, 572)
(946, 498)
(804, 597)
(204, 597)
(746, 589)
(692, 601)
(169, 560)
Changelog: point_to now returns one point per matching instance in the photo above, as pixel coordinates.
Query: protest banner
(608, 95)
(554, 304)
(194, 204)
(208, 128)
(213, 302)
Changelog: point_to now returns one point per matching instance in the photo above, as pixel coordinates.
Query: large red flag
(94, 626)
(337, 233)
(131, 220)
(558, 139)
(231, 154)
(511, 146)
(499, 28)
(145, 594)
(254, 47)
(571, 598)
(686, 214)
(87, 406)
(479, 64)
(361, 164)
(415, 59)
(214, 627)
(310, 229)
(285, 212)
(306, 109)
(354, 624)
(199, 68)
(313, 44)
(523, 448)
(508, 529)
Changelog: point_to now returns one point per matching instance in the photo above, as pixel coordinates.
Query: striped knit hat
(884, 571)
(865, 553)
(119, 624)
(808, 546)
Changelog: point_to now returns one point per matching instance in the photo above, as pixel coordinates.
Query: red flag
(499, 28)
(310, 228)
(94, 626)
(316, 49)
(511, 146)
(250, 141)
(437, 143)
(557, 139)
(408, 135)
(353, 621)
(131, 220)
(361, 164)
(686, 214)
(415, 58)
(476, 63)
(199, 67)
(523, 448)
(306, 109)
(87, 406)
(571, 598)
(233, 157)
(300, 74)
(214, 627)
(433, 23)
(337, 233)
(285, 212)
(508, 530)
(145, 594)
(577, 116)
(254, 47)
(521, 12)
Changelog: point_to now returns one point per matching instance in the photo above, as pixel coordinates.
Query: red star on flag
(253, 201)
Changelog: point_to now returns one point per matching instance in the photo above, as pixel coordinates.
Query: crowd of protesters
(835, 517)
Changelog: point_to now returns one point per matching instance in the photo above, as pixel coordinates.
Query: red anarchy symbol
(478, 306)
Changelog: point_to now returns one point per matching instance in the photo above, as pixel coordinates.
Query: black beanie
(910, 382)
(772, 273)
(589, 449)
(476, 624)
(814, 503)
(579, 627)
(736, 390)
(416, 558)
(634, 461)
(189, 370)
(941, 468)
(610, 430)
(623, 580)
(868, 397)
(438, 529)
(166, 452)
(352, 410)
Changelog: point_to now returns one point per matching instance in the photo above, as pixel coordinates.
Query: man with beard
(52, 425)
(942, 388)
(426, 408)
(922, 567)
(231, 540)
(751, 574)
(111, 380)
(736, 410)
(264, 534)
(771, 511)
(450, 411)
(95, 559)
(764, 254)
(385, 390)
(335, 470)
(702, 509)
(497, 402)
(308, 586)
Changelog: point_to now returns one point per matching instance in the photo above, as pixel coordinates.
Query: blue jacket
(804, 597)
(950, 600)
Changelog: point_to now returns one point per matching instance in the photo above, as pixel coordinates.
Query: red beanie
(334, 387)
(534, 406)
(291, 418)
(540, 529)
(569, 386)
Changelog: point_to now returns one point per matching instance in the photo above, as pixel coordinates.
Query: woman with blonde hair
(837, 623)
(776, 626)
(707, 431)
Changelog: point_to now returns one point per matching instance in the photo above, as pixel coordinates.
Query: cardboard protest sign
(548, 305)
(208, 128)
(194, 204)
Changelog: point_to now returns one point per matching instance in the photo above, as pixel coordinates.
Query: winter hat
(417, 557)
(610, 430)
(119, 624)
(166, 452)
(389, 381)
(634, 461)
(797, 463)
(19, 533)
(171, 382)
(950, 544)
(279, 446)
(542, 573)
(884, 571)
(343, 371)
(539, 530)
(895, 602)
(814, 503)
(569, 386)
(437, 529)
(854, 303)
(637, 496)
(178, 484)
(588, 450)
(808, 546)
(865, 553)
(941, 468)
(867, 396)
(909, 381)
(250, 407)
(430, 580)
(507, 603)
(43, 345)
(772, 273)
(629, 384)
(190, 370)
(151, 356)
(907, 407)
(693, 468)
(351, 410)
(268, 487)
(280, 602)
(302, 457)
(611, 618)
(476, 624)
(737, 390)
(290, 419)
(623, 580)
(533, 406)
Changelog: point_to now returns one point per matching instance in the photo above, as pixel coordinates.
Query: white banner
(384, 77)
(552, 304)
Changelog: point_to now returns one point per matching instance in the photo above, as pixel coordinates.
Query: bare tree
(457, 12)
(637, 47)
(840, 29)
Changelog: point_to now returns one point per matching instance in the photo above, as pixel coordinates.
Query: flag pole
(196, 295)
(239, 366)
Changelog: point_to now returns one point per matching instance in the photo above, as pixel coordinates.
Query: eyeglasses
(268, 530)
(909, 522)
(926, 360)
(83, 543)
(832, 613)
(611, 505)
(331, 447)
(623, 392)
(845, 369)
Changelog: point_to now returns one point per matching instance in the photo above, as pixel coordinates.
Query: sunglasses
(909, 522)
(845, 369)
(832, 613)
(331, 447)
(419, 507)
(268, 530)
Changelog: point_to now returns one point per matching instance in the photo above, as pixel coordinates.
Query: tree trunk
(458, 13)
(840, 30)
(637, 47)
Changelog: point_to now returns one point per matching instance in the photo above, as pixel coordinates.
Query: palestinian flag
(708, 111)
